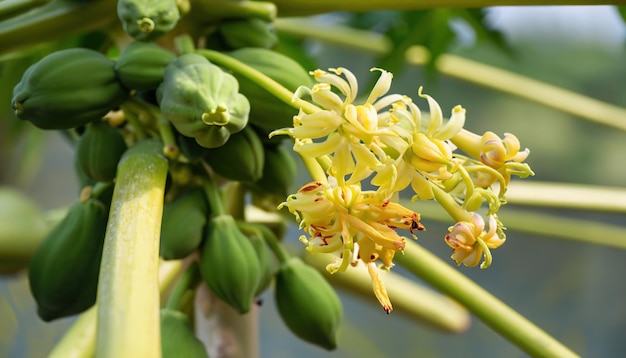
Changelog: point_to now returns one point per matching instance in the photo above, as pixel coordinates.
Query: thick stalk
(500, 317)
(55, 20)
(80, 340)
(308, 7)
(128, 293)
(225, 332)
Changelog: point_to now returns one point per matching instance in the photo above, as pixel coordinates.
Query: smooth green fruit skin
(192, 88)
(266, 261)
(267, 111)
(163, 13)
(229, 264)
(279, 171)
(183, 224)
(307, 303)
(250, 32)
(241, 158)
(177, 337)
(141, 65)
(68, 89)
(63, 273)
(99, 150)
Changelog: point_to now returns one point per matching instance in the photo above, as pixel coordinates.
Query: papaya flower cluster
(384, 141)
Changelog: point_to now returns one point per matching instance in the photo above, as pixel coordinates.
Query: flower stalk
(483, 304)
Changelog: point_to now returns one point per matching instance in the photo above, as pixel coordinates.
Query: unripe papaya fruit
(251, 32)
(229, 264)
(202, 101)
(147, 19)
(279, 171)
(63, 273)
(307, 303)
(99, 150)
(266, 260)
(68, 89)
(241, 158)
(183, 224)
(267, 111)
(177, 337)
(141, 65)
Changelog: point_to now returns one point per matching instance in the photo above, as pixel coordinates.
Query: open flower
(355, 223)
(470, 242)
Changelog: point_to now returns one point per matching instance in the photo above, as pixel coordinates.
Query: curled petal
(381, 87)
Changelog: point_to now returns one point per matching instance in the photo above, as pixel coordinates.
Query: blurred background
(572, 290)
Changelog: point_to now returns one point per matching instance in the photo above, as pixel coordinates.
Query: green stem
(9, 8)
(182, 295)
(343, 36)
(567, 196)
(307, 7)
(236, 200)
(80, 340)
(446, 201)
(213, 195)
(268, 84)
(509, 82)
(184, 44)
(483, 304)
(55, 20)
(207, 11)
(128, 311)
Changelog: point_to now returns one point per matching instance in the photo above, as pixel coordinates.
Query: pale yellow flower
(471, 243)
(354, 223)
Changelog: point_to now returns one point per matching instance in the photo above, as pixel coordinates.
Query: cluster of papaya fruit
(218, 120)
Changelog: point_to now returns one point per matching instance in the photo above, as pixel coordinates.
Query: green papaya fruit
(141, 65)
(251, 32)
(178, 338)
(241, 158)
(68, 89)
(202, 101)
(63, 273)
(147, 19)
(266, 110)
(99, 150)
(266, 260)
(279, 171)
(22, 227)
(229, 263)
(183, 224)
(307, 303)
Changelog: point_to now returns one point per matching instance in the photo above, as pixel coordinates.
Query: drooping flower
(471, 242)
(354, 223)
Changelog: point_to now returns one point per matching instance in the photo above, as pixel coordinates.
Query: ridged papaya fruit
(241, 158)
(229, 263)
(183, 224)
(308, 304)
(63, 273)
(68, 89)
(147, 19)
(202, 101)
(99, 150)
(177, 337)
(267, 111)
(251, 32)
(141, 65)
(279, 171)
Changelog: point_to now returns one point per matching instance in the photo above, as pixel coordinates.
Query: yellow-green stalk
(128, 293)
